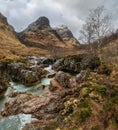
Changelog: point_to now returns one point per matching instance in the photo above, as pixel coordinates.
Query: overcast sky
(20, 13)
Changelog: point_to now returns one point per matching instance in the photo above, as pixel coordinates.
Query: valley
(49, 81)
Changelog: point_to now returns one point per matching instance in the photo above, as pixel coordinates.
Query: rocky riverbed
(43, 91)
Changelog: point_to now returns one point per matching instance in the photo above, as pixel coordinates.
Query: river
(17, 122)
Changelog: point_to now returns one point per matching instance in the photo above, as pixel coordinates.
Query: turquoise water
(22, 88)
(16, 122)
(46, 81)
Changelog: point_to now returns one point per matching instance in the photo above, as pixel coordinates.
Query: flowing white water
(49, 68)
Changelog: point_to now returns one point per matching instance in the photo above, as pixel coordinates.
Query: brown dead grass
(109, 53)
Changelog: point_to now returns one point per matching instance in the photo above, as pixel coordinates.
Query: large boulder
(28, 75)
(54, 85)
(63, 79)
(77, 63)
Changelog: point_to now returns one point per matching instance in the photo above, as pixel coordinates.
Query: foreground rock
(84, 103)
(91, 105)
(40, 107)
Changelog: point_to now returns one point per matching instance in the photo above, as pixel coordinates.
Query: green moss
(98, 88)
(85, 110)
(101, 89)
(110, 103)
(93, 85)
(112, 123)
(85, 91)
(84, 113)
(84, 104)
(81, 113)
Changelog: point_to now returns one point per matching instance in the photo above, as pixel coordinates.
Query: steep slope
(10, 46)
(109, 51)
(40, 34)
(66, 35)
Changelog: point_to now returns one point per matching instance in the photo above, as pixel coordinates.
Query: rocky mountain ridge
(40, 23)
(67, 36)
(41, 34)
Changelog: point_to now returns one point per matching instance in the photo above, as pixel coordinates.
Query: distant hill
(40, 34)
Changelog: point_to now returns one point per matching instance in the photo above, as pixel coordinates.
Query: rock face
(66, 35)
(76, 63)
(40, 23)
(3, 19)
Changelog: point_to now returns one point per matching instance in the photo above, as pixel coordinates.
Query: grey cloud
(72, 13)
